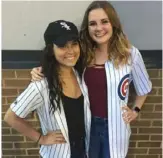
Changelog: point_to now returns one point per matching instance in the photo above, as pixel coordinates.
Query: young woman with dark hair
(58, 98)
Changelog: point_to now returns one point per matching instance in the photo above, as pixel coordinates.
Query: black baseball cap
(60, 32)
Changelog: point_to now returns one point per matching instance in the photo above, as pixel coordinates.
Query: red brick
(153, 73)
(147, 156)
(160, 91)
(160, 73)
(140, 123)
(5, 131)
(7, 145)
(134, 130)
(156, 82)
(11, 99)
(156, 137)
(3, 115)
(132, 144)
(139, 137)
(130, 156)
(3, 83)
(151, 115)
(17, 83)
(20, 90)
(12, 138)
(8, 156)
(154, 99)
(26, 145)
(154, 91)
(32, 152)
(4, 101)
(8, 74)
(147, 107)
(138, 150)
(15, 132)
(9, 92)
(158, 107)
(157, 123)
(5, 108)
(13, 152)
(155, 151)
(4, 124)
(149, 144)
(23, 73)
(150, 130)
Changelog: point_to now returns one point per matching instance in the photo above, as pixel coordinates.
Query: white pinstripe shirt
(117, 94)
(36, 97)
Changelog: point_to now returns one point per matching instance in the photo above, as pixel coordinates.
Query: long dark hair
(50, 68)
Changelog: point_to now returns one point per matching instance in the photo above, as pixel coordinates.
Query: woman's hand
(51, 138)
(36, 74)
(128, 114)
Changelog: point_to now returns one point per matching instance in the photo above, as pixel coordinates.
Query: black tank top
(74, 112)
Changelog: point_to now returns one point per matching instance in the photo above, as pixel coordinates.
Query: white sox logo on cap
(65, 25)
(123, 86)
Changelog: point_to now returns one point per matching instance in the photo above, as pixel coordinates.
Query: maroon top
(95, 79)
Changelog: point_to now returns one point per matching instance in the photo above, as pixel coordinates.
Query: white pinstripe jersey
(36, 97)
(117, 96)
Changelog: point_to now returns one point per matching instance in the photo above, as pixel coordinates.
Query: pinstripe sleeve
(139, 74)
(29, 100)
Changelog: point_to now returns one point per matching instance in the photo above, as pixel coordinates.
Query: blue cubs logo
(123, 86)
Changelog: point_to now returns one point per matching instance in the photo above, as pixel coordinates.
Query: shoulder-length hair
(118, 45)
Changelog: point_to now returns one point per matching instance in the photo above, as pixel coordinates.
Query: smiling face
(99, 26)
(68, 55)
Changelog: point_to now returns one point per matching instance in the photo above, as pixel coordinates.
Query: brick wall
(146, 130)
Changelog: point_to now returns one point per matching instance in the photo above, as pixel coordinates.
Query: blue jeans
(99, 140)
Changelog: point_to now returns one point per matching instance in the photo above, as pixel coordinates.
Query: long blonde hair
(119, 46)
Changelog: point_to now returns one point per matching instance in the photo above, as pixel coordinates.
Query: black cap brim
(62, 40)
